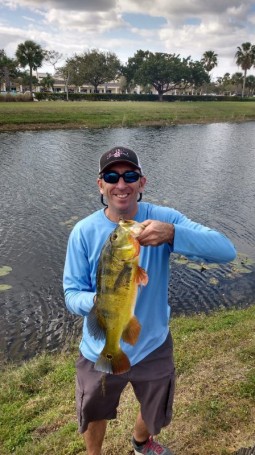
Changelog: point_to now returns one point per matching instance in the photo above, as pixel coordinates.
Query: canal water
(48, 183)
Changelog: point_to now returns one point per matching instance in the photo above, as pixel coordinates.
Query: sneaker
(151, 448)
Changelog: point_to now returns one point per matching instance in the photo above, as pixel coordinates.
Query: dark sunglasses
(128, 176)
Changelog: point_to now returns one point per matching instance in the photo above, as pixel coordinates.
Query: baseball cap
(117, 155)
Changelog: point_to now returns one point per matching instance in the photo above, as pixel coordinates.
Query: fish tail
(114, 363)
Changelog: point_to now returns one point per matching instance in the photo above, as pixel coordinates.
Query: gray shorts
(153, 381)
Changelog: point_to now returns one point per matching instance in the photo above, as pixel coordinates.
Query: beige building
(59, 86)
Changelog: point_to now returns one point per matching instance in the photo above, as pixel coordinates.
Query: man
(121, 183)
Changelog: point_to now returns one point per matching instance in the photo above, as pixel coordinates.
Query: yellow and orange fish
(118, 277)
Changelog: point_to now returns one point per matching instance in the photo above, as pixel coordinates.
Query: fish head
(124, 244)
(131, 226)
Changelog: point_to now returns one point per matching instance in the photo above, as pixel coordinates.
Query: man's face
(121, 196)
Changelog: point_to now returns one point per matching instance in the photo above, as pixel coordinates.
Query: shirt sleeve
(78, 289)
(199, 242)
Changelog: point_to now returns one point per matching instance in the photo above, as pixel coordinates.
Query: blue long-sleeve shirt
(152, 308)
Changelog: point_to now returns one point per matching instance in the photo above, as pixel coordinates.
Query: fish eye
(114, 236)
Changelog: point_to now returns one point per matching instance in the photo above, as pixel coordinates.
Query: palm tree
(209, 60)
(31, 54)
(237, 81)
(245, 57)
(226, 78)
(48, 81)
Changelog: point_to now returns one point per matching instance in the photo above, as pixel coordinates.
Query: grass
(214, 410)
(82, 114)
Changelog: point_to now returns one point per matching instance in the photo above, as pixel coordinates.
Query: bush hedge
(133, 97)
(52, 96)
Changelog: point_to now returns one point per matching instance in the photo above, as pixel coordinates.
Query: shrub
(8, 97)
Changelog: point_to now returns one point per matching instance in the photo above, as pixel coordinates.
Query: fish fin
(141, 276)
(94, 328)
(132, 331)
(113, 363)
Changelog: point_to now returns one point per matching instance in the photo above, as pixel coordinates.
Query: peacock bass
(118, 277)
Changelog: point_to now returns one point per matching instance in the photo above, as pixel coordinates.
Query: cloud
(183, 8)
(96, 22)
(30, 19)
(177, 26)
(66, 5)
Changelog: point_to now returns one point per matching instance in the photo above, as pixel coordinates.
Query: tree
(163, 71)
(8, 70)
(30, 54)
(123, 84)
(53, 57)
(24, 80)
(48, 81)
(209, 60)
(226, 78)
(225, 84)
(129, 70)
(198, 76)
(250, 84)
(237, 81)
(245, 57)
(95, 68)
(67, 72)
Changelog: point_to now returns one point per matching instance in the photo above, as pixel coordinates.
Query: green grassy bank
(214, 410)
(82, 114)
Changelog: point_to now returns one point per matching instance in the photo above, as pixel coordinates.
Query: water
(48, 182)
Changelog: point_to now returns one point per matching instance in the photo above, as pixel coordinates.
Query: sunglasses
(128, 176)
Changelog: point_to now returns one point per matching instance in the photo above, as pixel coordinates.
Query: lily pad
(214, 281)
(181, 260)
(194, 266)
(231, 276)
(206, 266)
(5, 270)
(242, 259)
(240, 269)
(212, 265)
(5, 287)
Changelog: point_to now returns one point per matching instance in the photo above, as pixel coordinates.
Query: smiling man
(121, 183)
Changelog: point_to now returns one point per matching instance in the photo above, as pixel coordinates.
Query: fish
(118, 279)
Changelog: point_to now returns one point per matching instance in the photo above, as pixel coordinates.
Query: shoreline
(77, 126)
(59, 115)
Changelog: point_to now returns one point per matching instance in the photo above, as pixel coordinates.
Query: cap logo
(116, 154)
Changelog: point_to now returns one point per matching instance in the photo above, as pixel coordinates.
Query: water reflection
(48, 181)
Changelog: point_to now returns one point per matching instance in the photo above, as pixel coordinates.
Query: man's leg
(141, 433)
(94, 437)
(153, 382)
(97, 399)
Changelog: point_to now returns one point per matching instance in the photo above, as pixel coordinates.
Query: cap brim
(120, 161)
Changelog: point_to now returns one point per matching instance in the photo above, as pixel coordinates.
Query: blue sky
(184, 27)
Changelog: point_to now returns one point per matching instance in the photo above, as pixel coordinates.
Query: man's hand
(155, 233)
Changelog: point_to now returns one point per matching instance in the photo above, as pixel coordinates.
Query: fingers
(146, 223)
(150, 233)
(155, 233)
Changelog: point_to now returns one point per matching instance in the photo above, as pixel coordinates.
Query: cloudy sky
(185, 27)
